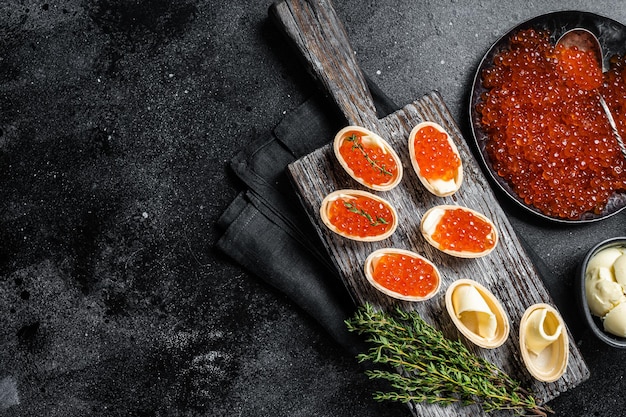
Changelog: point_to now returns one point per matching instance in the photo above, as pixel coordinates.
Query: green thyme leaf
(428, 367)
(354, 209)
(357, 145)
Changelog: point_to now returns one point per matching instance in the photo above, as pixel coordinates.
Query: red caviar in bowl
(548, 136)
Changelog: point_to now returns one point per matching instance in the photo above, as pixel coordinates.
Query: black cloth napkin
(266, 230)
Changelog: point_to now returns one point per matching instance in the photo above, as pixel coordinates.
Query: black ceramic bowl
(612, 37)
(595, 324)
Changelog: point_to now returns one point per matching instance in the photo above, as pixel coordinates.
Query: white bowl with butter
(602, 290)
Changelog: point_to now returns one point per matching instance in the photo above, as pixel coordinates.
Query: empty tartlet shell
(377, 254)
(428, 217)
(550, 365)
(502, 319)
(458, 178)
(349, 192)
(339, 137)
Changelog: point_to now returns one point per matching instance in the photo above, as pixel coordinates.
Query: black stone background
(117, 122)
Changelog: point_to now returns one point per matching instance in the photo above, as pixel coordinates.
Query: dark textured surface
(117, 121)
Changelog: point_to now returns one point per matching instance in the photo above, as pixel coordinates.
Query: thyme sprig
(356, 144)
(431, 368)
(354, 209)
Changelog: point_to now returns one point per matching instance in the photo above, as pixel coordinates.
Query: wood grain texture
(325, 47)
(507, 271)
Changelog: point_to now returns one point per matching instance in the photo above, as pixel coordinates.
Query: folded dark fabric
(266, 230)
(267, 249)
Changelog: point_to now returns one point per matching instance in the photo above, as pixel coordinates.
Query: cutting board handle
(316, 31)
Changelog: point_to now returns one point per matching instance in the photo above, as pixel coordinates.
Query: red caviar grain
(406, 275)
(548, 136)
(462, 231)
(360, 216)
(367, 160)
(434, 155)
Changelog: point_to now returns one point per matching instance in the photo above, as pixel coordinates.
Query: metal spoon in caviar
(585, 40)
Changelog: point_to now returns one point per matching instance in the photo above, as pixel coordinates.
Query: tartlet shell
(337, 144)
(350, 192)
(458, 254)
(557, 361)
(458, 178)
(502, 319)
(368, 269)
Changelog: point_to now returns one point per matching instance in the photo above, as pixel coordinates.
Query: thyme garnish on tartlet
(353, 208)
(356, 144)
(434, 369)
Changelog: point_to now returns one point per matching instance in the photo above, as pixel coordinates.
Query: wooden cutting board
(508, 272)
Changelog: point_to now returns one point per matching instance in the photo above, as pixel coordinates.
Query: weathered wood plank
(507, 271)
(322, 40)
